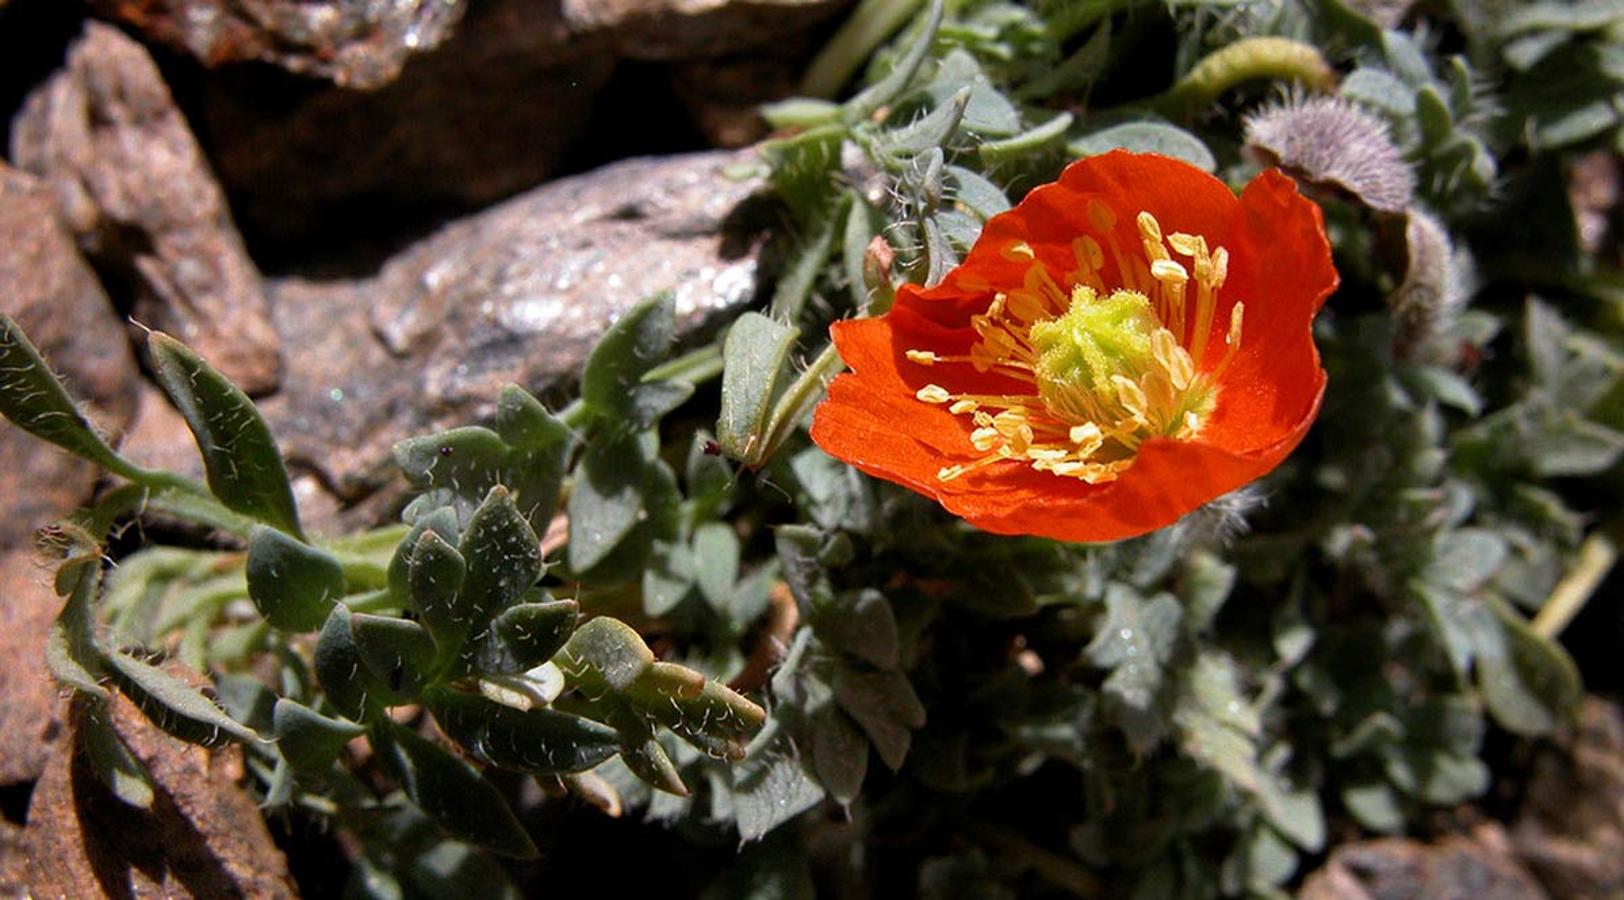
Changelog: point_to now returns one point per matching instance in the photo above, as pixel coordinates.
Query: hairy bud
(1331, 143)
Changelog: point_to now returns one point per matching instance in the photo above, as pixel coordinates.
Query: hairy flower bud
(1331, 143)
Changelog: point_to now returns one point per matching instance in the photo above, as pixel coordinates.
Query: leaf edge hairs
(943, 391)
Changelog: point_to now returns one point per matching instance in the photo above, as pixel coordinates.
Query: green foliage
(751, 624)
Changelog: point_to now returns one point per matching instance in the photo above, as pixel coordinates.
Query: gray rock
(356, 43)
(134, 187)
(519, 293)
(1481, 867)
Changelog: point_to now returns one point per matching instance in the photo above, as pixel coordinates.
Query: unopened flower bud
(1331, 143)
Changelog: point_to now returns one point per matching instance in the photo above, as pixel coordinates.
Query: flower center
(1108, 370)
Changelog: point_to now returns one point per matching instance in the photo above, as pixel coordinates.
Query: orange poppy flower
(1125, 345)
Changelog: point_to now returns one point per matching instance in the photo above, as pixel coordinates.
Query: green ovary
(1079, 350)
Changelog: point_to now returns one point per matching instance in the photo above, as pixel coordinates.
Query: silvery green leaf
(716, 563)
(240, 458)
(451, 792)
(606, 499)
(631, 347)
(885, 704)
(771, 787)
(1145, 137)
(307, 739)
(503, 557)
(114, 764)
(34, 400)
(756, 350)
(292, 584)
(173, 705)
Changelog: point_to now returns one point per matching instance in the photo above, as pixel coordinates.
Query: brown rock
(1570, 831)
(1401, 869)
(31, 727)
(490, 113)
(355, 43)
(203, 837)
(51, 292)
(695, 29)
(724, 96)
(133, 185)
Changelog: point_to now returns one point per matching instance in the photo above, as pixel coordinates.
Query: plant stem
(799, 397)
(1052, 867)
(1596, 558)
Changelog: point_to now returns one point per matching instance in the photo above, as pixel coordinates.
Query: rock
(203, 837)
(696, 29)
(134, 187)
(490, 113)
(355, 43)
(724, 96)
(520, 293)
(31, 728)
(54, 296)
(1457, 868)
(1570, 830)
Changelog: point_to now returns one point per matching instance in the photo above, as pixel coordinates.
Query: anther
(933, 393)
(922, 357)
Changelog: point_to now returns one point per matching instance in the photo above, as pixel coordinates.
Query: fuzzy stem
(1596, 558)
(799, 397)
(869, 25)
(1273, 58)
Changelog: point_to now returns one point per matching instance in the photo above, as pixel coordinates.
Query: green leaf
(611, 383)
(307, 739)
(756, 350)
(522, 422)
(716, 563)
(292, 584)
(173, 705)
(1145, 137)
(606, 499)
(534, 741)
(890, 87)
(811, 252)
(1375, 805)
(708, 476)
(1529, 683)
(503, 557)
(771, 787)
(1465, 559)
(608, 651)
(344, 677)
(115, 766)
(449, 790)
(71, 654)
(860, 623)
(669, 578)
(240, 458)
(34, 400)
(398, 652)
(716, 719)
(458, 468)
(898, 148)
(1135, 642)
(885, 704)
(434, 577)
(527, 635)
(839, 754)
(987, 111)
(974, 194)
(1041, 139)
(1380, 91)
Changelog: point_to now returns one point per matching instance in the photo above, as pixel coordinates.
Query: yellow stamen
(1109, 369)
